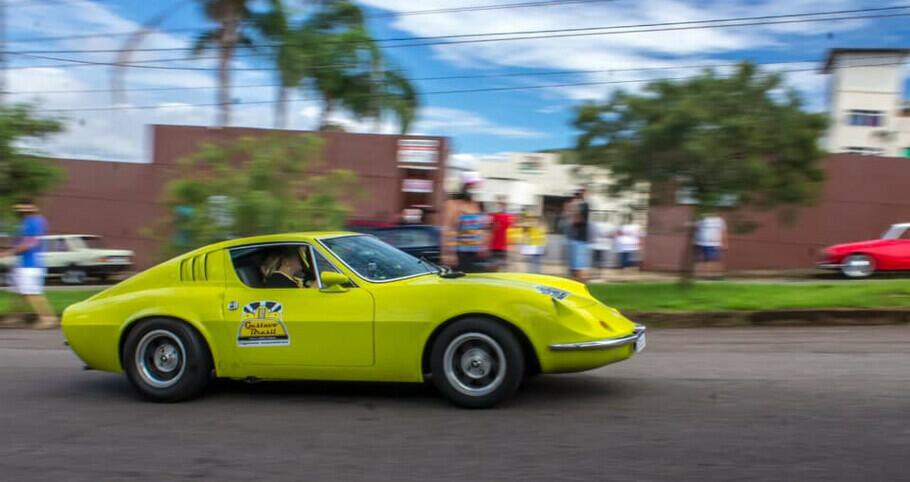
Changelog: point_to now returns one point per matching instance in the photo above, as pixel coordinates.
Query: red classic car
(862, 259)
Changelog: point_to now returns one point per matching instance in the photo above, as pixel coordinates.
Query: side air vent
(194, 268)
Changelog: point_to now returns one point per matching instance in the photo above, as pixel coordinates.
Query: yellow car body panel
(373, 331)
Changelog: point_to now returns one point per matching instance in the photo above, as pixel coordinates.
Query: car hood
(859, 245)
(580, 296)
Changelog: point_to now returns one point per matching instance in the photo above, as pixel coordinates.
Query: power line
(569, 32)
(438, 92)
(543, 73)
(501, 6)
(478, 8)
(442, 77)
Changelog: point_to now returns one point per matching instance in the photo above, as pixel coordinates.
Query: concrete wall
(862, 196)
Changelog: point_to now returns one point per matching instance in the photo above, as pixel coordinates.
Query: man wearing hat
(28, 276)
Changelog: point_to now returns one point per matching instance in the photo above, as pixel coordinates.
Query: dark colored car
(418, 240)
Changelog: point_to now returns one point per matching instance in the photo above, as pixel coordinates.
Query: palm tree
(347, 69)
(231, 17)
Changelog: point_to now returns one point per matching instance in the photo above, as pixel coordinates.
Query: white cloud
(653, 49)
(457, 121)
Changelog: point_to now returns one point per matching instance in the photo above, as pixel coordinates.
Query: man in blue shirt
(28, 275)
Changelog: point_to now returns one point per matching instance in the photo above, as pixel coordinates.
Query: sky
(531, 110)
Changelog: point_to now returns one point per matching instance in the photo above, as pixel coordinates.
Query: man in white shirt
(710, 242)
(628, 244)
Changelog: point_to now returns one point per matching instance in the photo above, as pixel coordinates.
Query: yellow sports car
(341, 306)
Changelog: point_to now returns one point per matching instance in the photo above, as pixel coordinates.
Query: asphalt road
(709, 404)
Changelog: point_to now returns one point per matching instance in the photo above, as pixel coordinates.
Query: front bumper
(827, 265)
(604, 344)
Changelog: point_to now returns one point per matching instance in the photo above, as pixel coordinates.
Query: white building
(866, 102)
(541, 184)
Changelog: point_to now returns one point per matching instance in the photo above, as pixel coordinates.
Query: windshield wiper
(442, 270)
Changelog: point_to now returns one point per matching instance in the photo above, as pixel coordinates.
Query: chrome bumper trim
(601, 344)
(828, 265)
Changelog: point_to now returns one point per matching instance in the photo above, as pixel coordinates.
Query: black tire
(73, 276)
(485, 363)
(166, 360)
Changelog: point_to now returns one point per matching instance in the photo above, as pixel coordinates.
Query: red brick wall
(862, 196)
(121, 201)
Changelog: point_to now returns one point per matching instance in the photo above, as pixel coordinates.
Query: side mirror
(332, 282)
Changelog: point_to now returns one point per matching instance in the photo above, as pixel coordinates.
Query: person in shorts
(578, 213)
(710, 241)
(500, 223)
(28, 275)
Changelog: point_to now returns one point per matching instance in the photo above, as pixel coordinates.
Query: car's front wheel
(858, 266)
(476, 363)
(167, 360)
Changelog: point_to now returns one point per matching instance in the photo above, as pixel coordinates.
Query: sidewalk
(604, 275)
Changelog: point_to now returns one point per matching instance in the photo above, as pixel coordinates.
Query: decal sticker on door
(261, 325)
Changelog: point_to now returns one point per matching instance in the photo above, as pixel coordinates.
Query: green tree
(22, 174)
(255, 186)
(347, 68)
(741, 139)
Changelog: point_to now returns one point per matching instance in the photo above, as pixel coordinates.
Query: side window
(274, 266)
(55, 245)
(323, 264)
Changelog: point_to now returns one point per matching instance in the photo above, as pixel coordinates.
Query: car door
(296, 326)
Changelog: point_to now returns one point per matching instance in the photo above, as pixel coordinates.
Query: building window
(865, 118)
(864, 151)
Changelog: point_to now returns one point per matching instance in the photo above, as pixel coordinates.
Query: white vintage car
(76, 257)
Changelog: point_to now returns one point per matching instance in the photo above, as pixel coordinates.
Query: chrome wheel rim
(474, 364)
(160, 358)
(858, 266)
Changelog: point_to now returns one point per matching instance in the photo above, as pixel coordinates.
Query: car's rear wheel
(166, 360)
(858, 266)
(476, 363)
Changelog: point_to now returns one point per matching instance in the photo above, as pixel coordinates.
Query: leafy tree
(348, 70)
(23, 174)
(741, 138)
(255, 186)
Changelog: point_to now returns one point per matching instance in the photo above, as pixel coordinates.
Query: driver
(283, 268)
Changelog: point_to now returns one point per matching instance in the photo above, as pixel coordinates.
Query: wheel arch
(132, 324)
(532, 363)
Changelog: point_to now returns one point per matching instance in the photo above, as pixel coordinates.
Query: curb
(821, 317)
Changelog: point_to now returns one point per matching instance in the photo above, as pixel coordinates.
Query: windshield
(895, 232)
(374, 260)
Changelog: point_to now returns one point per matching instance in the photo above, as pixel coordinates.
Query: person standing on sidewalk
(500, 222)
(464, 232)
(710, 241)
(28, 275)
(578, 213)
(534, 241)
(628, 244)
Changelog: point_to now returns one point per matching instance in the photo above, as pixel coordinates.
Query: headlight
(555, 293)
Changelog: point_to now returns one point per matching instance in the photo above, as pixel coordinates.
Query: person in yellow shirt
(534, 241)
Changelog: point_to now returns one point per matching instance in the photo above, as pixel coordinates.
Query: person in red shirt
(500, 222)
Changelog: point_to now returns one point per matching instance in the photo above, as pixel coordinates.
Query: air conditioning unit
(884, 134)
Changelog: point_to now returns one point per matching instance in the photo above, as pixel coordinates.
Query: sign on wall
(417, 185)
(418, 151)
